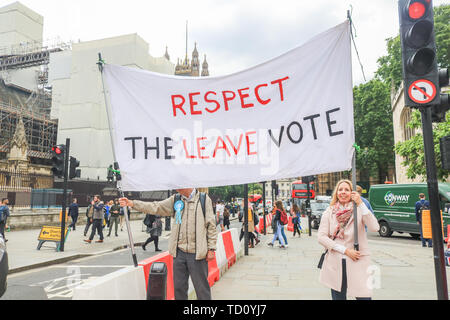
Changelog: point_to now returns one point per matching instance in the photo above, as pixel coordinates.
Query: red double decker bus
(299, 190)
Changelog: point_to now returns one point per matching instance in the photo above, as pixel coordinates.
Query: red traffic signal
(57, 150)
(420, 71)
(58, 156)
(418, 8)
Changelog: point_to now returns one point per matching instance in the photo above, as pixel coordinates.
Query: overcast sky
(234, 35)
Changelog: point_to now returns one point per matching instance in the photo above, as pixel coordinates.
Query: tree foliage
(226, 193)
(413, 150)
(373, 128)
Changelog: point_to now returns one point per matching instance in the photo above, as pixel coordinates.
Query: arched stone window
(408, 133)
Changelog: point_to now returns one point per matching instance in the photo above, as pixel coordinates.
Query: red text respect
(195, 103)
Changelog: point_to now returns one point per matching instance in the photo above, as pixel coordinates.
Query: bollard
(157, 280)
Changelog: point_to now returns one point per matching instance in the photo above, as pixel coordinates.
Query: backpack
(147, 220)
(2, 214)
(283, 218)
(202, 201)
(87, 210)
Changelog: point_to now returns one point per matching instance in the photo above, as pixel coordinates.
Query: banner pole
(100, 64)
(246, 219)
(355, 215)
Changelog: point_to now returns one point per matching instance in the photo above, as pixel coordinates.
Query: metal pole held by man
(100, 64)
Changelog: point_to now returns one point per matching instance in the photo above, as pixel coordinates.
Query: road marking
(95, 266)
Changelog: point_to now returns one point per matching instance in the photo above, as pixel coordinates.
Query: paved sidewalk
(401, 272)
(23, 253)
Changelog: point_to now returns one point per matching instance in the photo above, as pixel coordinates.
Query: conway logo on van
(391, 199)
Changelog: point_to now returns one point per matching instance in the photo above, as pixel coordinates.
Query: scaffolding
(40, 130)
(33, 106)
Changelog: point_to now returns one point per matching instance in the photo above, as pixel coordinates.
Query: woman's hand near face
(356, 197)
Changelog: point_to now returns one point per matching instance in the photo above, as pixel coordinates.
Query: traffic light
(58, 156)
(73, 171)
(420, 71)
(438, 111)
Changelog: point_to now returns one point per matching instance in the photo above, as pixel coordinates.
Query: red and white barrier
(125, 284)
(268, 223)
(229, 247)
(132, 282)
(213, 271)
(290, 226)
(168, 260)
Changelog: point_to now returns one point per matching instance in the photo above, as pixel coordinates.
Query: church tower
(205, 71)
(195, 63)
(192, 68)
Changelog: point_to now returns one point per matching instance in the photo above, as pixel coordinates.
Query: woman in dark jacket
(154, 228)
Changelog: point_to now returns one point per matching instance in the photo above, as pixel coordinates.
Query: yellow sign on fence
(51, 233)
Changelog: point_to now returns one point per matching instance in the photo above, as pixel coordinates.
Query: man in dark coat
(73, 213)
(420, 205)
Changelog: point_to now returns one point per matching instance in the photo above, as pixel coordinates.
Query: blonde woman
(344, 269)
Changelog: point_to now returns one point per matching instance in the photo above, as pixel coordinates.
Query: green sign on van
(394, 206)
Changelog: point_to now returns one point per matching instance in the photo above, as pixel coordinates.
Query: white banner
(289, 117)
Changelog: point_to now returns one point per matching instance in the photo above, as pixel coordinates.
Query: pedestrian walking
(192, 238)
(282, 229)
(220, 208)
(97, 218)
(251, 227)
(277, 224)
(107, 214)
(255, 223)
(296, 219)
(154, 228)
(421, 205)
(89, 215)
(73, 213)
(114, 217)
(226, 218)
(122, 217)
(4, 214)
(344, 269)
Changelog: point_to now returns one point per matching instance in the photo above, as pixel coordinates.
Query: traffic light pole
(433, 193)
(64, 199)
(355, 209)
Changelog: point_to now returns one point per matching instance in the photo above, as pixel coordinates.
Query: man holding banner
(192, 239)
(291, 116)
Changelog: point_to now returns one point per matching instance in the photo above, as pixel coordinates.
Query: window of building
(408, 133)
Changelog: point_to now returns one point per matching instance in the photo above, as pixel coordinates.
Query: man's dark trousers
(74, 221)
(2, 229)
(424, 240)
(184, 265)
(88, 224)
(97, 225)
